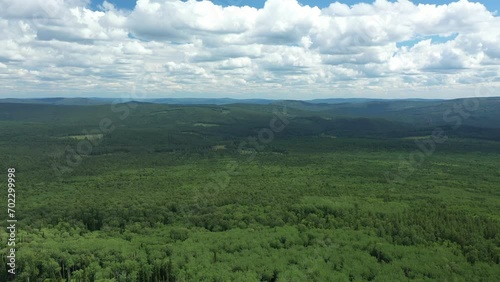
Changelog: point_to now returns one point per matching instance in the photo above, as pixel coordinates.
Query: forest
(283, 191)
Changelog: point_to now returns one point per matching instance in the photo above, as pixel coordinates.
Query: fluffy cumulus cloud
(284, 50)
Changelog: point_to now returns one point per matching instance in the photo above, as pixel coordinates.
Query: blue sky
(284, 49)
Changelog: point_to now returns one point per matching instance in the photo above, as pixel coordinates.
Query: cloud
(285, 49)
(183, 21)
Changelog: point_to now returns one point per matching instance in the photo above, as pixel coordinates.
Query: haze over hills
(479, 112)
(189, 101)
(473, 117)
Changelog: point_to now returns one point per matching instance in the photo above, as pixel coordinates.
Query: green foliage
(308, 207)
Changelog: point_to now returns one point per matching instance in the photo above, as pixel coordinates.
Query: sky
(249, 49)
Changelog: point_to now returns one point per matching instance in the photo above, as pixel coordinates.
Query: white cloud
(285, 49)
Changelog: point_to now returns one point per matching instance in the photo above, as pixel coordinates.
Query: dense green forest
(285, 191)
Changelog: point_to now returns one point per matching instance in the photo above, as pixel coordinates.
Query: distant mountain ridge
(473, 117)
(192, 101)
